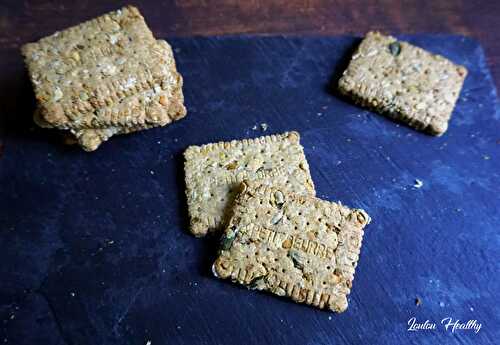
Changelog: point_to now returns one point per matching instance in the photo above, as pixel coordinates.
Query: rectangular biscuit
(215, 171)
(403, 82)
(292, 245)
(147, 107)
(73, 95)
(91, 139)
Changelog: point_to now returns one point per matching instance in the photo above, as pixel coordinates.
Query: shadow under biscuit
(332, 86)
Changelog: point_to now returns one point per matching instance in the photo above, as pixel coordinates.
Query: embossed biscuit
(149, 107)
(91, 139)
(403, 82)
(292, 245)
(101, 92)
(142, 109)
(215, 171)
(67, 67)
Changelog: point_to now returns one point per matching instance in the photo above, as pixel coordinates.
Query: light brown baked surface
(91, 139)
(104, 77)
(79, 92)
(292, 245)
(403, 82)
(214, 172)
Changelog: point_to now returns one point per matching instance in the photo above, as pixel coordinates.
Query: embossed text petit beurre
(214, 173)
(292, 245)
(103, 77)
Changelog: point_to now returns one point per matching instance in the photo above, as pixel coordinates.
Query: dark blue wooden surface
(94, 247)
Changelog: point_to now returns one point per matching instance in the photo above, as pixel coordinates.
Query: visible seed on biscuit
(405, 87)
(216, 169)
(109, 70)
(334, 279)
(163, 100)
(112, 100)
(277, 218)
(362, 218)
(84, 96)
(279, 198)
(304, 266)
(75, 56)
(228, 238)
(296, 259)
(58, 94)
(232, 166)
(395, 48)
(113, 39)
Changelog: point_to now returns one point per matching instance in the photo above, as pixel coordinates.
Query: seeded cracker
(301, 247)
(104, 77)
(146, 107)
(404, 82)
(90, 139)
(83, 69)
(214, 173)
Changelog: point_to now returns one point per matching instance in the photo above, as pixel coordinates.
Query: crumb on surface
(418, 183)
(418, 301)
(264, 126)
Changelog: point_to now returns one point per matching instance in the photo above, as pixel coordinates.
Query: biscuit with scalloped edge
(215, 171)
(403, 82)
(292, 245)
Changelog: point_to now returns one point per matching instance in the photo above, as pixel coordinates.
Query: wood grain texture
(23, 21)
